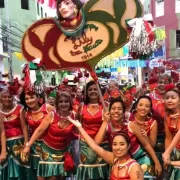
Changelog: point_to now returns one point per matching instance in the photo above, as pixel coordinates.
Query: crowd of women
(71, 135)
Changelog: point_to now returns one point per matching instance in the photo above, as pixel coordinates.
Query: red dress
(33, 124)
(147, 125)
(59, 138)
(91, 123)
(158, 112)
(174, 130)
(127, 167)
(12, 122)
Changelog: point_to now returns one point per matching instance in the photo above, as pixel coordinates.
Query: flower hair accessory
(169, 87)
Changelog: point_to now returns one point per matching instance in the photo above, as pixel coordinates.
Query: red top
(57, 137)
(147, 125)
(174, 130)
(158, 112)
(134, 142)
(12, 122)
(33, 124)
(126, 167)
(91, 123)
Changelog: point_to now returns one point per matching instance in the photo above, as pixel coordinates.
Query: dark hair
(68, 96)
(137, 101)
(115, 100)
(86, 98)
(78, 4)
(23, 101)
(176, 91)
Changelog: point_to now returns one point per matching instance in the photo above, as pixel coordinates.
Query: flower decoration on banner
(142, 38)
(169, 87)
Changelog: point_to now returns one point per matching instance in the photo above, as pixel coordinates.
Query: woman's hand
(106, 116)
(166, 158)
(25, 154)
(158, 169)
(143, 132)
(3, 156)
(75, 122)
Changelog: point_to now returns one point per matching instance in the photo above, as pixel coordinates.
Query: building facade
(16, 17)
(167, 13)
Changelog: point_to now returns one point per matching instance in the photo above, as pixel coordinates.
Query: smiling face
(66, 9)
(7, 99)
(64, 104)
(119, 146)
(161, 85)
(172, 100)
(51, 101)
(116, 111)
(143, 107)
(92, 92)
(31, 100)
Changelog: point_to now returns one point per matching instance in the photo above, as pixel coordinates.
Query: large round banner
(95, 30)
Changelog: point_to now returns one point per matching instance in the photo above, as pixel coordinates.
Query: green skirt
(52, 162)
(35, 154)
(15, 169)
(146, 164)
(92, 166)
(176, 170)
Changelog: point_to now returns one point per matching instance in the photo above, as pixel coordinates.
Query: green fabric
(52, 94)
(176, 172)
(34, 157)
(91, 158)
(15, 169)
(144, 160)
(48, 170)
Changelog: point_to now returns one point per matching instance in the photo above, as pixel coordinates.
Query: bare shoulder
(49, 108)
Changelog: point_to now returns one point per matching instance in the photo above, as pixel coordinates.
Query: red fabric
(91, 123)
(68, 162)
(59, 138)
(41, 1)
(134, 142)
(52, 4)
(126, 177)
(13, 126)
(33, 124)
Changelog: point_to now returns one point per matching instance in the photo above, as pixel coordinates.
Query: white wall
(1, 54)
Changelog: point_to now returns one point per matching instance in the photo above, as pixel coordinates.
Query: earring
(134, 111)
(149, 116)
(75, 10)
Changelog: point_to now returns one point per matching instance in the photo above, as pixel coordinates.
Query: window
(178, 39)
(45, 15)
(2, 4)
(37, 8)
(25, 4)
(41, 12)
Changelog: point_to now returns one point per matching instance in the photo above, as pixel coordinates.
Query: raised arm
(145, 143)
(106, 155)
(102, 131)
(24, 126)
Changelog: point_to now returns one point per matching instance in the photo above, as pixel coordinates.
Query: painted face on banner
(66, 9)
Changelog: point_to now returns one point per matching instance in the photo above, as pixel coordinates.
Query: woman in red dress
(142, 115)
(35, 112)
(58, 133)
(16, 136)
(123, 167)
(91, 166)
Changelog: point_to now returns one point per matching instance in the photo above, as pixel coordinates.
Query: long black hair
(142, 97)
(115, 100)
